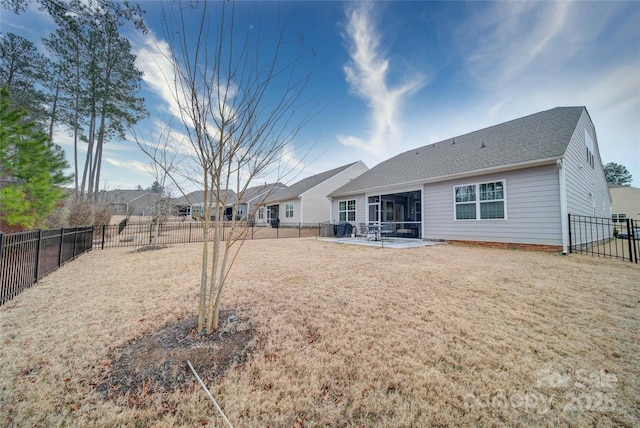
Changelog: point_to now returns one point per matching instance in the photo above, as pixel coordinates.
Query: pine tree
(31, 169)
(617, 174)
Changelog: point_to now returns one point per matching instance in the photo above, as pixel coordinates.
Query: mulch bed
(157, 362)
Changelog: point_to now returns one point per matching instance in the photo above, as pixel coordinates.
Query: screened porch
(397, 214)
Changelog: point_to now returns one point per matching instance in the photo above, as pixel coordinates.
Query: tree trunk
(98, 166)
(76, 116)
(89, 157)
(54, 108)
(202, 309)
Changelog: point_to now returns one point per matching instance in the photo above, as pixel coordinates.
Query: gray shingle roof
(535, 137)
(297, 189)
(196, 197)
(122, 196)
(257, 193)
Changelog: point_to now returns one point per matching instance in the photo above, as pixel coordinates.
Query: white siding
(289, 221)
(532, 208)
(626, 200)
(361, 206)
(587, 191)
(317, 207)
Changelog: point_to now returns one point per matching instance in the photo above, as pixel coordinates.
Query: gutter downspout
(301, 211)
(564, 218)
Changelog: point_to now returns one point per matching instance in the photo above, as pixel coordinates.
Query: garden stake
(209, 394)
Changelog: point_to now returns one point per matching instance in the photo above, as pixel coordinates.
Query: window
(288, 210)
(465, 202)
(590, 148)
(492, 200)
(347, 210)
(261, 213)
(484, 201)
(621, 218)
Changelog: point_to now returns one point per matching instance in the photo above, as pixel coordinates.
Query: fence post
(629, 237)
(570, 246)
(104, 229)
(189, 232)
(36, 267)
(60, 246)
(299, 229)
(635, 239)
(75, 242)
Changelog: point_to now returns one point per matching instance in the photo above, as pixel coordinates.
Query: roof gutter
(504, 168)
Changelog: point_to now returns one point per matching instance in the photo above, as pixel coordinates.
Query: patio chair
(368, 233)
(385, 232)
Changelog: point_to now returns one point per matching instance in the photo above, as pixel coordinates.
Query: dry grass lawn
(345, 336)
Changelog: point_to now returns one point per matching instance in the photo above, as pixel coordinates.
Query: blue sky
(398, 75)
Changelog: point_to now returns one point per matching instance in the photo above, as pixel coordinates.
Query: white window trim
(477, 201)
(286, 209)
(346, 211)
(615, 218)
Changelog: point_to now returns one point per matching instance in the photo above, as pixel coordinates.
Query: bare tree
(241, 103)
(164, 162)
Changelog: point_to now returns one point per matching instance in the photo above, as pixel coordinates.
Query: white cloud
(367, 75)
(130, 165)
(154, 59)
(521, 58)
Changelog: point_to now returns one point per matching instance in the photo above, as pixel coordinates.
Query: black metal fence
(602, 237)
(25, 257)
(141, 234)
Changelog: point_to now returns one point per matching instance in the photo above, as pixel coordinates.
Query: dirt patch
(150, 248)
(157, 362)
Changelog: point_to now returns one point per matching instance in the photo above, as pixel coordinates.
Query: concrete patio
(398, 243)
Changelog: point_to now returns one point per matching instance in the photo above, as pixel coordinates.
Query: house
(625, 203)
(192, 204)
(510, 185)
(189, 205)
(305, 203)
(252, 198)
(130, 202)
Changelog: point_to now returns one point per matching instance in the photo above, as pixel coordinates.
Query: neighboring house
(625, 203)
(192, 205)
(130, 202)
(251, 200)
(305, 202)
(512, 183)
(189, 205)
